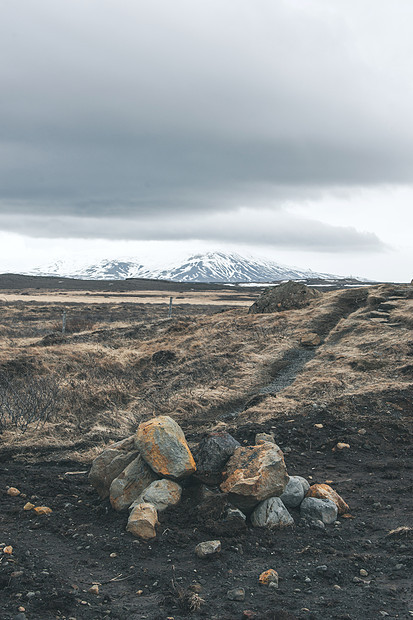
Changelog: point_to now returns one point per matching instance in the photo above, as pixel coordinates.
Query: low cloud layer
(160, 120)
(246, 226)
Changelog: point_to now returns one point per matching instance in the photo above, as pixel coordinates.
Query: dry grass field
(119, 364)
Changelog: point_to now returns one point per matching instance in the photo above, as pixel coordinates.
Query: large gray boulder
(287, 296)
(211, 455)
(127, 487)
(254, 473)
(162, 444)
(315, 509)
(110, 463)
(271, 513)
(161, 494)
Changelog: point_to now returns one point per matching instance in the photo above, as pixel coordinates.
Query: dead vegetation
(121, 364)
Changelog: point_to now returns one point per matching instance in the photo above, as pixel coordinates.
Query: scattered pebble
(8, 550)
(42, 510)
(13, 491)
(319, 425)
(94, 589)
(113, 555)
(341, 446)
(139, 592)
(362, 431)
(268, 576)
(363, 572)
(336, 587)
(28, 506)
(236, 594)
(208, 548)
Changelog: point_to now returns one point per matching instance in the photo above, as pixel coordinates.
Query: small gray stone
(236, 594)
(271, 513)
(293, 493)
(235, 514)
(208, 548)
(313, 508)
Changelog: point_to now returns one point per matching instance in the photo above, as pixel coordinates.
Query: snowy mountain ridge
(213, 267)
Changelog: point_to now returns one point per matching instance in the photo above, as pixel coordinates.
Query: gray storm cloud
(182, 112)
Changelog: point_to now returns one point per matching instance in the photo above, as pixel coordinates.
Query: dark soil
(58, 557)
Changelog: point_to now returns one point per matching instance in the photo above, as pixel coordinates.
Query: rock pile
(143, 473)
(287, 296)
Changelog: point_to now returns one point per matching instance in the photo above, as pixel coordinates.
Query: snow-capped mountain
(222, 267)
(218, 267)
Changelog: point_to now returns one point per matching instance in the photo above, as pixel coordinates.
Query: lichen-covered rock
(162, 444)
(315, 509)
(142, 521)
(130, 483)
(271, 513)
(267, 577)
(161, 494)
(211, 455)
(324, 491)
(293, 493)
(110, 463)
(208, 548)
(287, 296)
(253, 474)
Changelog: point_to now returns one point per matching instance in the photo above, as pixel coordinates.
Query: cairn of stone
(142, 474)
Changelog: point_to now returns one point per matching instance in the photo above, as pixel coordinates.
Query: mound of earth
(287, 296)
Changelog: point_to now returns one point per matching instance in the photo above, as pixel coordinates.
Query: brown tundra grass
(122, 363)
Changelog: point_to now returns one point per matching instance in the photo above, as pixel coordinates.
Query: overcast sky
(152, 128)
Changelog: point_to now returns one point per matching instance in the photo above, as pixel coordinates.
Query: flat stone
(110, 463)
(253, 474)
(162, 444)
(161, 494)
(142, 521)
(293, 493)
(211, 455)
(316, 509)
(127, 487)
(271, 513)
(324, 491)
(236, 594)
(208, 548)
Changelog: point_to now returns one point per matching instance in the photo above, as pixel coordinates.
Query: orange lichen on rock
(268, 576)
(162, 444)
(324, 491)
(43, 510)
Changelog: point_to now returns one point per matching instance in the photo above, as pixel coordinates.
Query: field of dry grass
(121, 363)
